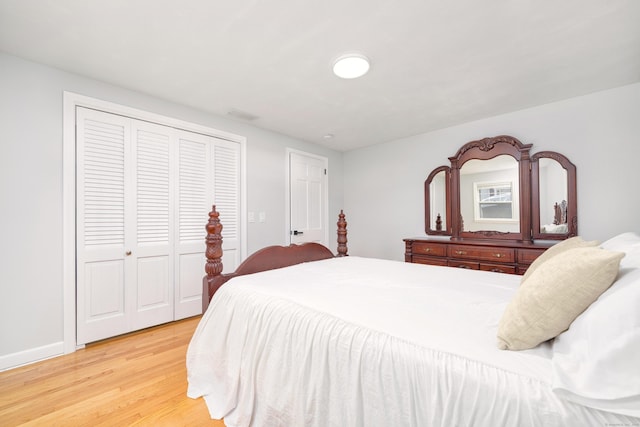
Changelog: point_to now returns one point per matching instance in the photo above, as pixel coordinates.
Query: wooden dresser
(503, 257)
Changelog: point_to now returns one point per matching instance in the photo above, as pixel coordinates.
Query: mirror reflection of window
(493, 201)
(500, 214)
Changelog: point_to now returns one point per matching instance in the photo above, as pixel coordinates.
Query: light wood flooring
(137, 379)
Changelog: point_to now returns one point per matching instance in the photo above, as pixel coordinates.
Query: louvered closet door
(103, 169)
(208, 172)
(226, 166)
(125, 221)
(143, 194)
(151, 240)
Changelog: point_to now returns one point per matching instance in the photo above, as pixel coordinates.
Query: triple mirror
(494, 189)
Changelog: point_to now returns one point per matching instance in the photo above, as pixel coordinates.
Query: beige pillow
(558, 248)
(555, 294)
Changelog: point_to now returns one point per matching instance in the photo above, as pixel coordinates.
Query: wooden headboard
(560, 213)
(268, 258)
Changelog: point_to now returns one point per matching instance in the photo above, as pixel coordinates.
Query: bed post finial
(342, 235)
(213, 240)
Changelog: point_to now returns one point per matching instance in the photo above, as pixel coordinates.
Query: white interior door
(308, 198)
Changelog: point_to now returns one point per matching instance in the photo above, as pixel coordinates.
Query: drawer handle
(460, 252)
(498, 255)
(496, 270)
(427, 249)
(463, 266)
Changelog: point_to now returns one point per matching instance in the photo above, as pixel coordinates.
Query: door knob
(128, 253)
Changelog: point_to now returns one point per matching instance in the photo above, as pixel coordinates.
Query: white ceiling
(434, 63)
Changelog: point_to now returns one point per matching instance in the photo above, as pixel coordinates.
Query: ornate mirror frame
(571, 209)
(485, 149)
(529, 191)
(446, 215)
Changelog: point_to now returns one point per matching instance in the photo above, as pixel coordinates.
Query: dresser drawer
(464, 264)
(527, 256)
(428, 248)
(496, 268)
(429, 261)
(505, 255)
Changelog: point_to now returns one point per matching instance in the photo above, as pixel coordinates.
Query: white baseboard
(10, 361)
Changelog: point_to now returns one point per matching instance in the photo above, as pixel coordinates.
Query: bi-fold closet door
(143, 191)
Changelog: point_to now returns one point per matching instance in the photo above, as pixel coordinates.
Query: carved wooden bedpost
(342, 235)
(213, 267)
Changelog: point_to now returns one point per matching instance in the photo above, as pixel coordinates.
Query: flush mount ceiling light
(351, 66)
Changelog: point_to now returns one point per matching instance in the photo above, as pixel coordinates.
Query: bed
(350, 341)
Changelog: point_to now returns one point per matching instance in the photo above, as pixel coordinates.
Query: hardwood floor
(137, 379)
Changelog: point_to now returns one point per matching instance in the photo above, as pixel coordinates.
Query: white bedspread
(366, 342)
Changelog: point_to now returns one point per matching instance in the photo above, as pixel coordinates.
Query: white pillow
(554, 229)
(596, 362)
(631, 259)
(629, 243)
(622, 242)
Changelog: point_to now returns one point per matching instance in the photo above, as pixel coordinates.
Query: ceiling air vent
(243, 115)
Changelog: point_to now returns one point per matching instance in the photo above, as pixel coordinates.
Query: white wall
(599, 133)
(31, 103)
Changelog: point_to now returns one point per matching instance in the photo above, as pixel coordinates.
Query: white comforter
(366, 342)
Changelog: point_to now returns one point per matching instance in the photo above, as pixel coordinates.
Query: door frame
(71, 101)
(287, 198)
